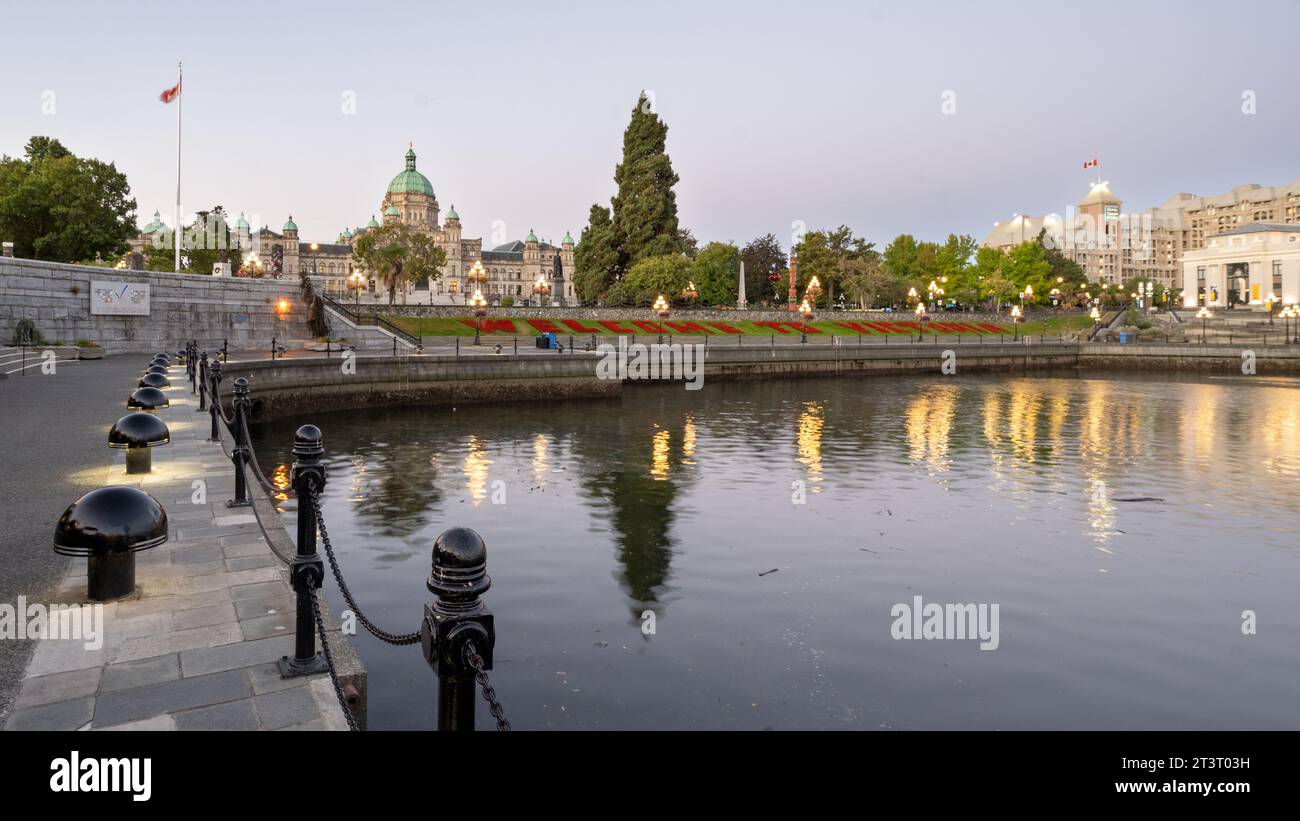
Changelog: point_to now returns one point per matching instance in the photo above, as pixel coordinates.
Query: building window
(1277, 278)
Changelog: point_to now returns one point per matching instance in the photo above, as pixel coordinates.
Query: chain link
(329, 657)
(399, 639)
(475, 661)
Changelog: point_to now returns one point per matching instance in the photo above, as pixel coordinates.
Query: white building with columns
(1241, 267)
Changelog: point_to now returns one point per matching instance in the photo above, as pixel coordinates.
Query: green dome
(372, 223)
(452, 215)
(156, 225)
(568, 240)
(242, 223)
(291, 225)
(392, 211)
(410, 181)
(531, 236)
(347, 232)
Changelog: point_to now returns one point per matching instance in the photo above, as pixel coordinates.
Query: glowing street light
(541, 288)
(806, 311)
(479, 304)
(911, 295)
(1016, 316)
(661, 310)
(357, 283)
(690, 292)
(1204, 315)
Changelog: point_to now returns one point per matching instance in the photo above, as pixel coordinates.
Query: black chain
(267, 485)
(398, 639)
(475, 661)
(329, 657)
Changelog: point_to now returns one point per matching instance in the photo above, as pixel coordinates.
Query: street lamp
(476, 276)
(1204, 315)
(1016, 316)
(911, 295)
(661, 310)
(541, 288)
(1287, 313)
(1096, 319)
(479, 304)
(813, 290)
(357, 282)
(689, 292)
(805, 311)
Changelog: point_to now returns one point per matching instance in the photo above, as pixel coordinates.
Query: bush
(25, 333)
(86, 343)
(507, 301)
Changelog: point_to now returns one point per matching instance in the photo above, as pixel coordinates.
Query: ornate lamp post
(479, 304)
(933, 289)
(1203, 315)
(911, 295)
(661, 310)
(357, 282)
(1016, 316)
(476, 277)
(806, 311)
(813, 290)
(1096, 319)
(541, 288)
(1286, 314)
(690, 292)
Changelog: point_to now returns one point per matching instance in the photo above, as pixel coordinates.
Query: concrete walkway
(196, 648)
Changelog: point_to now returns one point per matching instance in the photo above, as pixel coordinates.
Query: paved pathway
(197, 647)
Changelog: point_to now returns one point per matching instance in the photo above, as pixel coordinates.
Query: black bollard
(214, 406)
(455, 621)
(108, 527)
(240, 454)
(308, 571)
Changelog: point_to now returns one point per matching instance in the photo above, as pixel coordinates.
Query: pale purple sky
(820, 112)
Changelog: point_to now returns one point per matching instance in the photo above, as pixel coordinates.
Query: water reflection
(677, 501)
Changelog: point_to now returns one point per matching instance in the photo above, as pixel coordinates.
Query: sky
(926, 118)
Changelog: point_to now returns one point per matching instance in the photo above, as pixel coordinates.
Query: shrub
(25, 333)
(507, 301)
(86, 343)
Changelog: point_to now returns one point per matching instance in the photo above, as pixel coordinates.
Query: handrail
(375, 320)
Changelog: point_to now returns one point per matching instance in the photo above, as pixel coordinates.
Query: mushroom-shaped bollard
(108, 526)
(147, 399)
(136, 433)
(164, 356)
(457, 621)
(155, 380)
(158, 369)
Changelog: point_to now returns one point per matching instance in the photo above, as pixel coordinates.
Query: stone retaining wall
(56, 297)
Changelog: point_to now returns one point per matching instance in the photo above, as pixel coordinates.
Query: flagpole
(177, 232)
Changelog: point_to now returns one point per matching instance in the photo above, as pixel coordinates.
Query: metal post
(456, 620)
(225, 350)
(273, 339)
(214, 407)
(241, 452)
(308, 571)
(203, 381)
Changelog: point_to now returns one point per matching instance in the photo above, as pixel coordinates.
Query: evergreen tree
(596, 257)
(763, 258)
(642, 221)
(645, 207)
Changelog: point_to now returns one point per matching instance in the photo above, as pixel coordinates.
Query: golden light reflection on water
(688, 441)
(540, 462)
(359, 481)
(280, 479)
(809, 440)
(1279, 432)
(476, 470)
(659, 459)
(928, 422)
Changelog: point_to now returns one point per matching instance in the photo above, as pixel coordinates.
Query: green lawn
(685, 326)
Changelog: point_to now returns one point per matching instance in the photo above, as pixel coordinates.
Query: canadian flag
(172, 93)
(1089, 164)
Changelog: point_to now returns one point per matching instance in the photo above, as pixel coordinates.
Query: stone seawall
(56, 297)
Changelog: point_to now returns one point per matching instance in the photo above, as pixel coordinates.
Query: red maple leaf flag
(1089, 164)
(170, 94)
